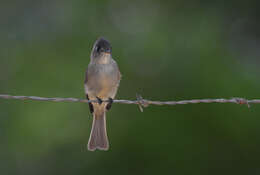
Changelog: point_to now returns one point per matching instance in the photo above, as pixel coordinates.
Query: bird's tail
(98, 136)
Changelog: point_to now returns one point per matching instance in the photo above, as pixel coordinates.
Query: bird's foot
(109, 104)
(99, 100)
(91, 108)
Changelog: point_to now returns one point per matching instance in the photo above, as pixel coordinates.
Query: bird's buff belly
(101, 87)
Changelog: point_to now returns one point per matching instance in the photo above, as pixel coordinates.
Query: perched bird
(101, 84)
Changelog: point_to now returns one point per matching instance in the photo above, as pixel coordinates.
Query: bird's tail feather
(98, 136)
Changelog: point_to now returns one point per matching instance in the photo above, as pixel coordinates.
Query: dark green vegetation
(166, 50)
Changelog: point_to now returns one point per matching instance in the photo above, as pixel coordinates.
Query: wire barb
(140, 101)
(242, 101)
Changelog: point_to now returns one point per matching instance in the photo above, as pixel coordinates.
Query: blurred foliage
(166, 50)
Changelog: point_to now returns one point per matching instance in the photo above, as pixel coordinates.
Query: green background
(166, 50)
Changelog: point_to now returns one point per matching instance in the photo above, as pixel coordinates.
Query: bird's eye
(97, 48)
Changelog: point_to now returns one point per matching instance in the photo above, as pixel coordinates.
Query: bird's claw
(109, 104)
(99, 100)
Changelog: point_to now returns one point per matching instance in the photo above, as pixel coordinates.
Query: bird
(101, 83)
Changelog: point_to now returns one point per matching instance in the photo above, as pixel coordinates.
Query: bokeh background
(166, 50)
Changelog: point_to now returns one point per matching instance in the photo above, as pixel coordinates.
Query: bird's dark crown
(102, 45)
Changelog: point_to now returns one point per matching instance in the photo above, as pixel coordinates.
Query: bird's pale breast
(103, 80)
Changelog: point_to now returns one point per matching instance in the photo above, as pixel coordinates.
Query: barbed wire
(139, 101)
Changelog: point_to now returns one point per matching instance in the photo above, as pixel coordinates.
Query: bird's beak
(107, 53)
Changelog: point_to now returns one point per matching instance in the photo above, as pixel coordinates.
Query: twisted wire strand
(139, 101)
